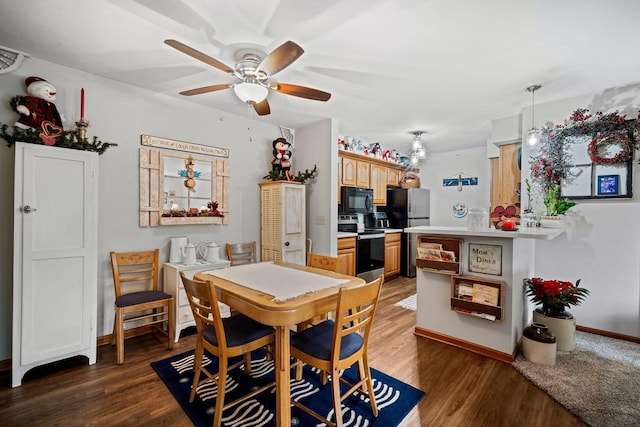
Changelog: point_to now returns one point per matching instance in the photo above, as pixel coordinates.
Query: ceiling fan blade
(262, 108)
(198, 55)
(206, 89)
(301, 91)
(280, 58)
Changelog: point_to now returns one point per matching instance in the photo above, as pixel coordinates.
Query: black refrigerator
(407, 207)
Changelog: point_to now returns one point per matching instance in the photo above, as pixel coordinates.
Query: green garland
(302, 177)
(68, 139)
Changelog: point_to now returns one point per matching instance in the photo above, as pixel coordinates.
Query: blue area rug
(395, 399)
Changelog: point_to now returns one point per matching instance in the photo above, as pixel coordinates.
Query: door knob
(27, 209)
(286, 243)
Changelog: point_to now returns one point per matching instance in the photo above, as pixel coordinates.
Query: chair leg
(222, 383)
(247, 362)
(367, 371)
(113, 334)
(197, 369)
(337, 399)
(119, 336)
(171, 323)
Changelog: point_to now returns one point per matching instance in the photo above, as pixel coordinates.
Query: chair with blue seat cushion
(224, 338)
(135, 280)
(333, 346)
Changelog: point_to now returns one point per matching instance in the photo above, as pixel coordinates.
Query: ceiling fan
(253, 69)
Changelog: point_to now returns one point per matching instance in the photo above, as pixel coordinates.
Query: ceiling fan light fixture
(250, 92)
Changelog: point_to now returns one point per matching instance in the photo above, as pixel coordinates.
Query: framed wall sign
(485, 259)
(608, 184)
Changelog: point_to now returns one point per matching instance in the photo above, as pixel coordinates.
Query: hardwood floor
(462, 388)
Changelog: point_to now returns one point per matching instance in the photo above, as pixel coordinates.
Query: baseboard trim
(609, 334)
(466, 345)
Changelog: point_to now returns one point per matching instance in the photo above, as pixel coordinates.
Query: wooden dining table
(282, 315)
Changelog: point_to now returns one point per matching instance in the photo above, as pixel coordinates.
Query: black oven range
(369, 246)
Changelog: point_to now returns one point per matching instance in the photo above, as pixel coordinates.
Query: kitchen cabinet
(282, 221)
(347, 256)
(173, 285)
(379, 184)
(363, 170)
(348, 170)
(391, 254)
(393, 177)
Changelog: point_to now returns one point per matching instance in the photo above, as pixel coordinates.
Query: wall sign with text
(485, 259)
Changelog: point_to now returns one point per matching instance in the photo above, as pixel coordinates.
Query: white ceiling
(447, 67)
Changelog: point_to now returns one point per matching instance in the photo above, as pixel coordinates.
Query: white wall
(317, 144)
(120, 114)
(602, 247)
(469, 162)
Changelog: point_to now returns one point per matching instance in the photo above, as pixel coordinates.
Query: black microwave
(356, 200)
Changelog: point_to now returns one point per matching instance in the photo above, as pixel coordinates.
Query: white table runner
(282, 282)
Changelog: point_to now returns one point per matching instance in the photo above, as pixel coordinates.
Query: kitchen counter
(512, 260)
(522, 232)
(342, 234)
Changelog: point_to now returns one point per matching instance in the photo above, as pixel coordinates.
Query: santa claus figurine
(38, 106)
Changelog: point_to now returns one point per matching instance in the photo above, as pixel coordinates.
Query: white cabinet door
(293, 223)
(55, 256)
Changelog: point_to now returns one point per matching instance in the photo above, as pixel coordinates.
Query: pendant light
(418, 150)
(533, 136)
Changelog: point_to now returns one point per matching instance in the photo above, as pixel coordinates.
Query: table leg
(283, 377)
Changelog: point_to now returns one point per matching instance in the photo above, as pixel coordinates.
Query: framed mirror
(602, 166)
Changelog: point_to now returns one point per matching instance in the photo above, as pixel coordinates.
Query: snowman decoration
(38, 111)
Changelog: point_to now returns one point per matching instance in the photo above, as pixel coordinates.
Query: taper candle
(82, 104)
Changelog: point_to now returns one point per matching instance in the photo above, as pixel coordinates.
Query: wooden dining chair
(322, 261)
(241, 253)
(336, 345)
(224, 338)
(135, 280)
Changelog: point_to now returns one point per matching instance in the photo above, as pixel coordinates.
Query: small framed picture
(608, 184)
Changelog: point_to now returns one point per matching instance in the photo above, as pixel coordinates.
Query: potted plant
(556, 208)
(556, 296)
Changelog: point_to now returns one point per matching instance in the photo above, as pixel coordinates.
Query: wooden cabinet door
(363, 171)
(379, 184)
(393, 177)
(349, 172)
(347, 256)
(391, 254)
(506, 177)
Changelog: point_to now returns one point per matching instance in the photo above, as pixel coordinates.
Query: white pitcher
(189, 254)
(209, 252)
(176, 248)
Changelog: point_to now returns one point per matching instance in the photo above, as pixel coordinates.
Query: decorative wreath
(601, 141)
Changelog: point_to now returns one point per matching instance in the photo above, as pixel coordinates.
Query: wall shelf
(477, 297)
(448, 245)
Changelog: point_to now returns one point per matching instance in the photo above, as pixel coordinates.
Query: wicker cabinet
(347, 256)
(282, 222)
(391, 254)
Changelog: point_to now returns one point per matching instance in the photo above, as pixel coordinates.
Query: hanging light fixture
(533, 136)
(418, 150)
(251, 91)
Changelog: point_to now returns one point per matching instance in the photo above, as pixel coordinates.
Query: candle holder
(81, 128)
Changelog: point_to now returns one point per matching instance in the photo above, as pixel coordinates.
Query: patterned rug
(394, 398)
(409, 303)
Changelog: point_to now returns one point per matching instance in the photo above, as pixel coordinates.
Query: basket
(410, 180)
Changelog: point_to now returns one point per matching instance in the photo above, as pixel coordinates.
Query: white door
(293, 223)
(55, 256)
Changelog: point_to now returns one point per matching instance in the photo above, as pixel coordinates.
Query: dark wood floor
(463, 389)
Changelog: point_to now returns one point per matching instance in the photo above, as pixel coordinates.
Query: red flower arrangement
(554, 295)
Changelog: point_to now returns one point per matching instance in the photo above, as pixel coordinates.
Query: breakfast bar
(473, 297)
